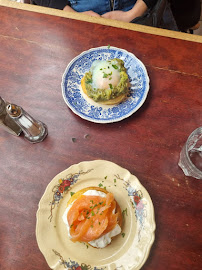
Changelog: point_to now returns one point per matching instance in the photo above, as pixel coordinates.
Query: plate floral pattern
(92, 111)
(127, 251)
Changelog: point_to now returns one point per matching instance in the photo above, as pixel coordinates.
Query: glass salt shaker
(6, 122)
(34, 130)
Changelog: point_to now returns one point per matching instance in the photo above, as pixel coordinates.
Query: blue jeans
(98, 6)
(101, 6)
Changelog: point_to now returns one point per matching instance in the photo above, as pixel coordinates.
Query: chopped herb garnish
(92, 213)
(110, 85)
(115, 66)
(99, 223)
(95, 205)
(123, 234)
(106, 177)
(114, 180)
(72, 193)
(108, 46)
(105, 75)
(89, 81)
(100, 185)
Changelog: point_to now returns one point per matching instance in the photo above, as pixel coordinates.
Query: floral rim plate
(86, 108)
(128, 250)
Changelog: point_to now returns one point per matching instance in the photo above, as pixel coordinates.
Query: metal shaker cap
(13, 110)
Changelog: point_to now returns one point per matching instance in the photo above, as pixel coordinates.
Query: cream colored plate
(128, 250)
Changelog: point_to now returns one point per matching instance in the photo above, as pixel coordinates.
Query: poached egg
(105, 74)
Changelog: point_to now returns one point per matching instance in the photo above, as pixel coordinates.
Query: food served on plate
(107, 81)
(93, 216)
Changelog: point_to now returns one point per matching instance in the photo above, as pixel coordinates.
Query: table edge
(102, 21)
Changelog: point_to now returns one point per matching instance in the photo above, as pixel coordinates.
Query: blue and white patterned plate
(86, 108)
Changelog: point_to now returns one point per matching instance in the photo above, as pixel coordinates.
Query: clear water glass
(191, 155)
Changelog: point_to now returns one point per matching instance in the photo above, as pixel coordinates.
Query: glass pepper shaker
(6, 122)
(34, 130)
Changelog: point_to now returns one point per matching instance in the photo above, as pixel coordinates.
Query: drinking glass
(191, 155)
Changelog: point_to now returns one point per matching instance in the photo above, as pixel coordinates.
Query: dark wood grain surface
(34, 52)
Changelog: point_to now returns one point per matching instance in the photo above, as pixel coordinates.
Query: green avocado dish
(106, 81)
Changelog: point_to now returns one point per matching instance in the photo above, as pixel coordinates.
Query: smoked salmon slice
(91, 216)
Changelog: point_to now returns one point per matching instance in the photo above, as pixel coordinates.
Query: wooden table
(35, 49)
